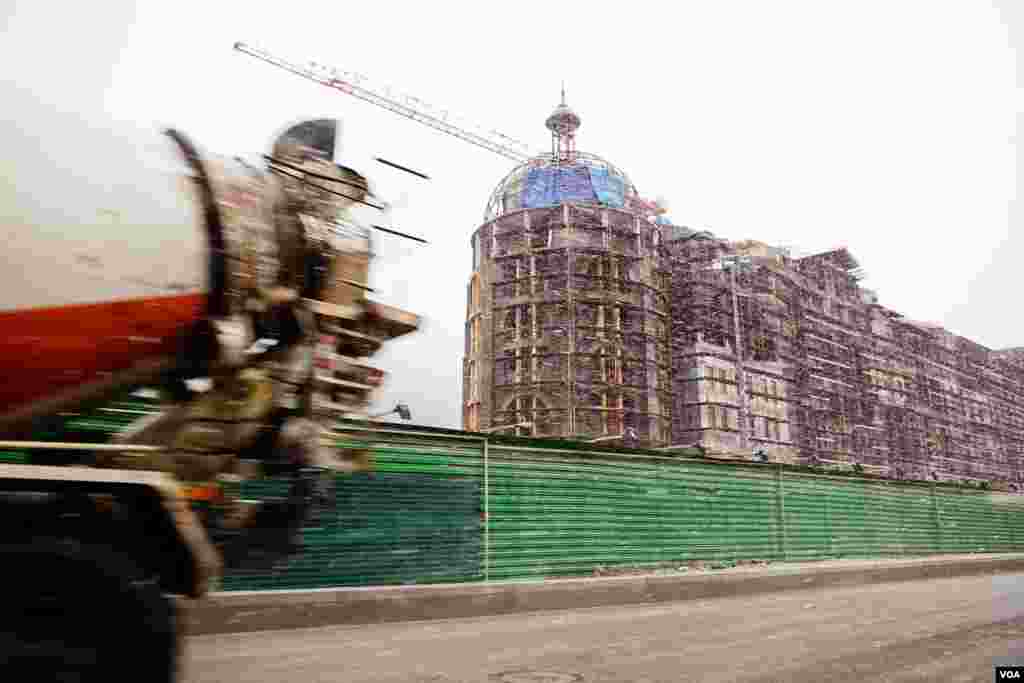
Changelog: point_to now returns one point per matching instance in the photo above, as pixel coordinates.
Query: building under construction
(589, 317)
(567, 325)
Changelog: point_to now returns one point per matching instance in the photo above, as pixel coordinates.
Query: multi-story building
(567, 320)
(828, 374)
(587, 318)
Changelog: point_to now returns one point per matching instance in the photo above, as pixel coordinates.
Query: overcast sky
(883, 126)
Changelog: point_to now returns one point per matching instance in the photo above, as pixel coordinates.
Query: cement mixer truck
(236, 290)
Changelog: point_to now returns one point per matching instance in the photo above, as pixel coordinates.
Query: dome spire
(563, 123)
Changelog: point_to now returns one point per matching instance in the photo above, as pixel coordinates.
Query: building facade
(827, 374)
(588, 317)
(567, 319)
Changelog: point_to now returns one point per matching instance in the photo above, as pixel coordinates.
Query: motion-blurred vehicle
(238, 292)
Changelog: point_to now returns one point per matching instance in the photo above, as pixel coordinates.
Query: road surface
(940, 630)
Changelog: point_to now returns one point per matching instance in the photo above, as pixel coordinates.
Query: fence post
(780, 511)
(901, 504)
(826, 549)
(1008, 520)
(1009, 545)
(937, 521)
(1012, 512)
(487, 514)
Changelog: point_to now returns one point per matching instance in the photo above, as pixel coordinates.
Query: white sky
(884, 126)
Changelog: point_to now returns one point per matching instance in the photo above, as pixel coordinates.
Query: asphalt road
(940, 630)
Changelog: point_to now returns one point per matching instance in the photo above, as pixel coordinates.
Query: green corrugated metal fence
(443, 506)
(416, 518)
(562, 513)
(557, 512)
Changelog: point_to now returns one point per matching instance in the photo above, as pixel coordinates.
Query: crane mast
(359, 86)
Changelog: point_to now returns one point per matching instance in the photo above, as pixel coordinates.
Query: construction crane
(413, 108)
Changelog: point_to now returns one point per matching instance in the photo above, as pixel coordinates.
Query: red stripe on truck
(47, 350)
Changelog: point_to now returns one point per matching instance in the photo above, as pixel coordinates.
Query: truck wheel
(73, 612)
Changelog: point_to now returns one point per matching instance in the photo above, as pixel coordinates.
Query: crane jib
(491, 140)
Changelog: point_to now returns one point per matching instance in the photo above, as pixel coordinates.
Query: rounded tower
(567, 305)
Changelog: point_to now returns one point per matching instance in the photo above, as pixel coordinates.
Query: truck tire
(74, 612)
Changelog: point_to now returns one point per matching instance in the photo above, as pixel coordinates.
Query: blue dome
(545, 181)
